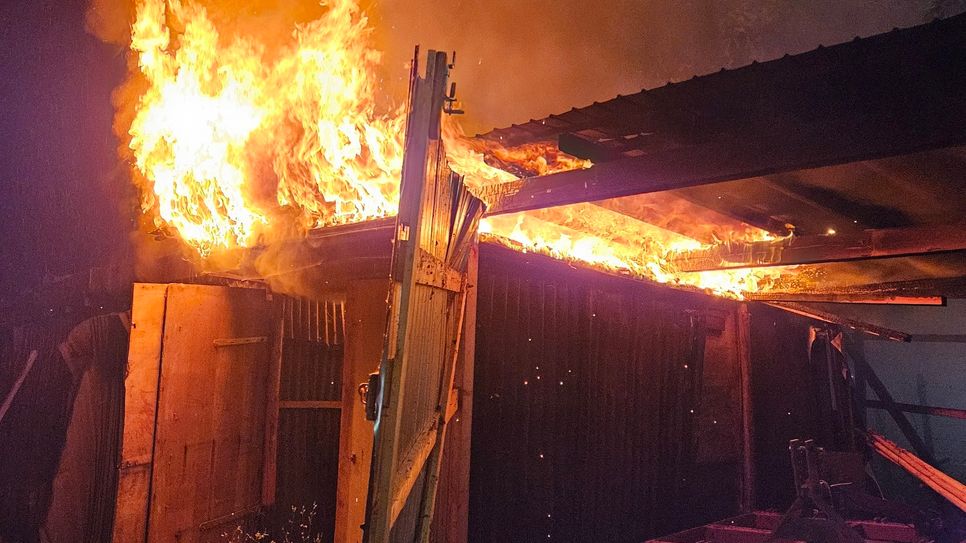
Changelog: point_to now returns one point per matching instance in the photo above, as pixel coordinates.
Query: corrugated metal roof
(755, 93)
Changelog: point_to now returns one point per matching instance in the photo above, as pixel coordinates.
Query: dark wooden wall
(790, 398)
(603, 410)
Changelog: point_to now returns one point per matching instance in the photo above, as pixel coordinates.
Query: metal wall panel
(307, 470)
(590, 397)
(310, 394)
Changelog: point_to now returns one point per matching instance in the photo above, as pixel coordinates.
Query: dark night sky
(57, 210)
(66, 201)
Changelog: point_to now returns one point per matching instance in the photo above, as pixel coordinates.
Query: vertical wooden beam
(748, 480)
(451, 519)
(269, 473)
(365, 324)
(141, 385)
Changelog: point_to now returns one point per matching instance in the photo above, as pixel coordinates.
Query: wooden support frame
(857, 354)
(942, 484)
(887, 242)
(824, 316)
(846, 298)
(748, 476)
(920, 409)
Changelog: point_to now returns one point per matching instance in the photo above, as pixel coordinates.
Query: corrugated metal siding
(308, 437)
(583, 427)
(30, 457)
(310, 371)
(308, 462)
(428, 351)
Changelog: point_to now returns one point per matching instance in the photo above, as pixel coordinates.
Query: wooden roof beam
(825, 316)
(845, 298)
(814, 249)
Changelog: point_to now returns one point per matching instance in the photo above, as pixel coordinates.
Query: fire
(484, 163)
(621, 245)
(234, 142)
(228, 141)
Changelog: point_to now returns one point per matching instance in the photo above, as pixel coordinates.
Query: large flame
(225, 137)
(233, 141)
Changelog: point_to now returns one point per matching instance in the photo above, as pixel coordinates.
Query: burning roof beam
(836, 298)
(889, 242)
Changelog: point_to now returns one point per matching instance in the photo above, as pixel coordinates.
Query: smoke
(522, 60)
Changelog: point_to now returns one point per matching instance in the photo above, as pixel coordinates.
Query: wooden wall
(604, 410)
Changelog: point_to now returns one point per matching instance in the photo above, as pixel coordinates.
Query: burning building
(607, 324)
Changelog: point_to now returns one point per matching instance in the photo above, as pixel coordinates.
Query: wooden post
(451, 519)
(748, 480)
(270, 471)
(365, 325)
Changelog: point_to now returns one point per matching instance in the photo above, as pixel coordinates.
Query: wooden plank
(239, 341)
(748, 479)
(825, 316)
(846, 298)
(431, 271)
(140, 411)
(935, 338)
(450, 522)
(453, 405)
(269, 476)
(921, 409)
(310, 404)
(943, 484)
(210, 438)
(887, 242)
(715, 162)
(365, 323)
(409, 468)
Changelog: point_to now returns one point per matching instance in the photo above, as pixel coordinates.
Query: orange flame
(219, 122)
(232, 142)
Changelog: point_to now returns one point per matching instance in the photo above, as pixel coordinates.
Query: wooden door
(197, 397)
(435, 228)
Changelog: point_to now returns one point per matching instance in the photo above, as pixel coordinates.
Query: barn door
(435, 227)
(197, 398)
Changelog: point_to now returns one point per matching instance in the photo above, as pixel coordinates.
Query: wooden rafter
(832, 318)
(843, 298)
(889, 242)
